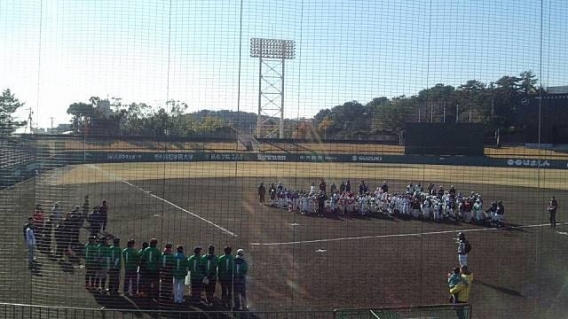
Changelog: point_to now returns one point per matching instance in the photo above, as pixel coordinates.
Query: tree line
(494, 104)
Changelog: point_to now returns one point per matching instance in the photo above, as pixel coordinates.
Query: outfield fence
(20, 311)
(449, 311)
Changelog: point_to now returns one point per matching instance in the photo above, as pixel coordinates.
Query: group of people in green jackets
(151, 273)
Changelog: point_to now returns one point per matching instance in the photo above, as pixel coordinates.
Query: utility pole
(457, 113)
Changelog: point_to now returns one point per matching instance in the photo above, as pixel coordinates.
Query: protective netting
(342, 145)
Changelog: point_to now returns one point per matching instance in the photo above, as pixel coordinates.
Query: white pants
(462, 259)
(179, 290)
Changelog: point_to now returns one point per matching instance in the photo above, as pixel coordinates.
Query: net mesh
(164, 110)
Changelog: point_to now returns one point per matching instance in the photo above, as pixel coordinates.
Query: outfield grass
(333, 172)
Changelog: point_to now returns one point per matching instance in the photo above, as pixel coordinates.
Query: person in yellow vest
(462, 289)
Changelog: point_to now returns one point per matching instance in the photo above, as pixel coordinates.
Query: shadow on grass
(503, 290)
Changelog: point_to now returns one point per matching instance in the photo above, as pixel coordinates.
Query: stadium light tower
(271, 54)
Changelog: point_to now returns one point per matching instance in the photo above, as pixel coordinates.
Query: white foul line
(118, 178)
(396, 235)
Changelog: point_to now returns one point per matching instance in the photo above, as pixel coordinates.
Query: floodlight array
(272, 48)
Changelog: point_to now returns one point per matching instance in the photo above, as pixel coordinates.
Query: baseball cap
(240, 252)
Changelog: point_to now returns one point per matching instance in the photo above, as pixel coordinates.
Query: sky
(57, 52)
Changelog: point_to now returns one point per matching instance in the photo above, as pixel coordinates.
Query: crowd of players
(148, 271)
(428, 203)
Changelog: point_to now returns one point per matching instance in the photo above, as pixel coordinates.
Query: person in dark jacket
(94, 220)
(103, 210)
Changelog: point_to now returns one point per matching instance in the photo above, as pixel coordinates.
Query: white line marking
(118, 178)
(398, 235)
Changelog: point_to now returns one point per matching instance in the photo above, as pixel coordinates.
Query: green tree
(392, 116)
(528, 83)
(80, 112)
(9, 104)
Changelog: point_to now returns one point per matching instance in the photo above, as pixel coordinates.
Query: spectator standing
(30, 243)
(151, 260)
(179, 272)
(62, 238)
(74, 221)
(38, 221)
(56, 214)
(241, 270)
(552, 207)
(94, 220)
(166, 273)
(197, 274)
(86, 206)
(26, 226)
(261, 194)
(103, 210)
(114, 270)
(131, 260)
(45, 241)
(225, 273)
(210, 262)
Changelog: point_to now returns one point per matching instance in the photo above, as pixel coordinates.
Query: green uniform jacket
(104, 256)
(196, 267)
(151, 259)
(181, 266)
(210, 264)
(241, 268)
(91, 254)
(131, 259)
(115, 257)
(167, 263)
(225, 267)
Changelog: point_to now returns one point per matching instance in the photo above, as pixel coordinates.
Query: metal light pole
(272, 53)
(457, 112)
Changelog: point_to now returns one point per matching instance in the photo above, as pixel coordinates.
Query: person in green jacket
(197, 273)
(225, 272)
(131, 259)
(91, 264)
(241, 270)
(103, 259)
(210, 263)
(114, 270)
(166, 268)
(151, 261)
(179, 272)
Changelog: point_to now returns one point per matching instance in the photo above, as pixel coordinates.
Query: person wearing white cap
(241, 270)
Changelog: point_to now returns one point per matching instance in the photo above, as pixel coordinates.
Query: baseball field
(300, 262)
